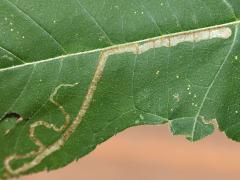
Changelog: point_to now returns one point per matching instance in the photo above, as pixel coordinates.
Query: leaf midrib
(121, 45)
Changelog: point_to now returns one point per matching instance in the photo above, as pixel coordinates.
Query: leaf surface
(74, 73)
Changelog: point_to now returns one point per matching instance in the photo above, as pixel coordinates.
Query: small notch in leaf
(9, 122)
(12, 115)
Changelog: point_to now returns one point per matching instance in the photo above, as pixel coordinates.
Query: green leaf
(77, 72)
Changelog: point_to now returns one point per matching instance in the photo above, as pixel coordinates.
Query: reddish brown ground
(152, 153)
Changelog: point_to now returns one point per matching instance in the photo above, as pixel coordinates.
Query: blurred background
(151, 152)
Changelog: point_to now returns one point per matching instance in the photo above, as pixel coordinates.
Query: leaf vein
(37, 25)
(214, 79)
(122, 45)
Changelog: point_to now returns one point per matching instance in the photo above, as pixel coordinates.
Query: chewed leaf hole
(9, 122)
(13, 115)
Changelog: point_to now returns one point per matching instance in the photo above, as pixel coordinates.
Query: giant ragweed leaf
(74, 73)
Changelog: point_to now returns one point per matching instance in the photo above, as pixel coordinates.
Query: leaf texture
(74, 73)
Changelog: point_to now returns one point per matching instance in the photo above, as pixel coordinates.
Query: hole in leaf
(9, 122)
(12, 115)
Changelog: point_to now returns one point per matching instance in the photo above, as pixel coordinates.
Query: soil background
(151, 152)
